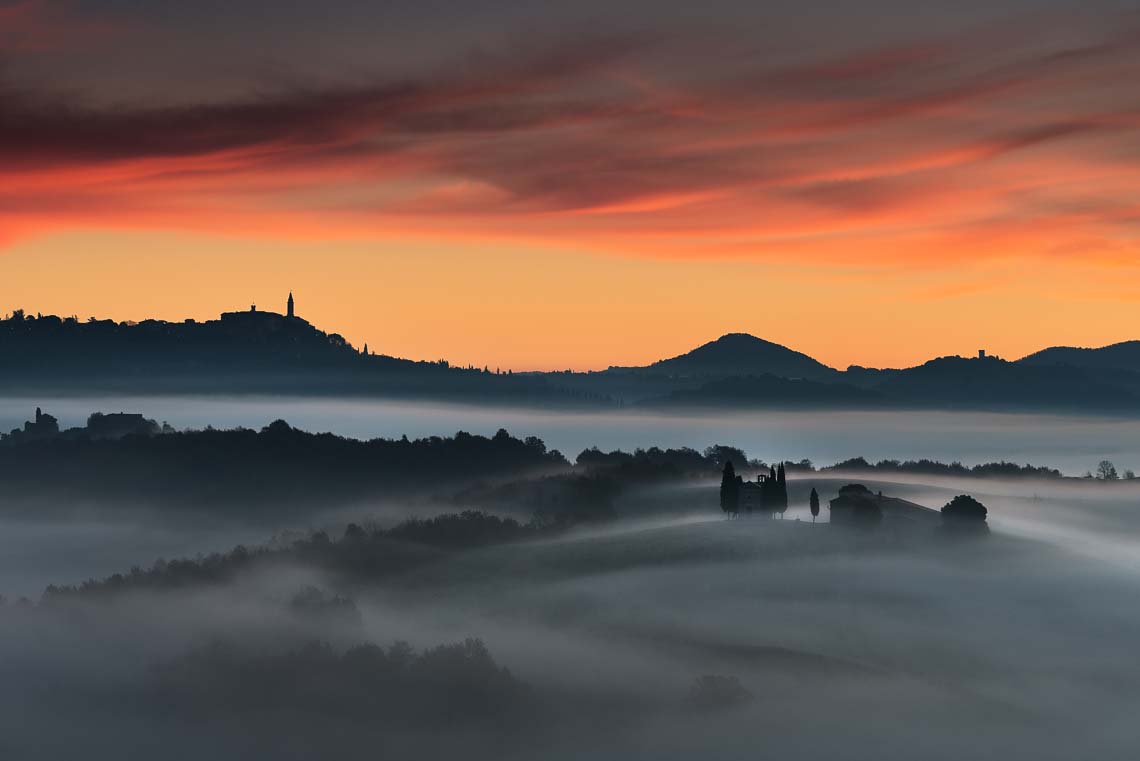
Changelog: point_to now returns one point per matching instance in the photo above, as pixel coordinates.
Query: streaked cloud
(1014, 139)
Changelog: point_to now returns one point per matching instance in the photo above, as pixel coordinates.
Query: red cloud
(592, 142)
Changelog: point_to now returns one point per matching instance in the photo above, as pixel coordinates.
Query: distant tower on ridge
(289, 307)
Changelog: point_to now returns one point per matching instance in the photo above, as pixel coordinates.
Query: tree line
(361, 553)
(275, 469)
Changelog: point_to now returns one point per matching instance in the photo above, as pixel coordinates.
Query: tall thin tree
(782, 479)
(729, 490)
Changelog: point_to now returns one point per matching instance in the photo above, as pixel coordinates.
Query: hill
(250, 351)
(768, 391)
(1121, 356)
(741, 354)
(259, 352)
(246, 473)
(992, 383)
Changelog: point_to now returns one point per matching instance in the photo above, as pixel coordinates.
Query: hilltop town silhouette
(249, 351)
(259, 351)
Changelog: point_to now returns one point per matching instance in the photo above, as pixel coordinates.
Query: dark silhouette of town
(249, 350)
(114, 425)
(258, 351)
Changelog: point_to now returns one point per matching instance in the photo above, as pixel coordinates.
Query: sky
(582, 184)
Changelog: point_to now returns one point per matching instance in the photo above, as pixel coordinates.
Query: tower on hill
(289, 306)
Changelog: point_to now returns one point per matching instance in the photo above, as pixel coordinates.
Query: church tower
(289, 306)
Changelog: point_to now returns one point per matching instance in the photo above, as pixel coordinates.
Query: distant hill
(992, 383)
(987, 383)
(259, 352)
(1122, 356)
(770, 391)
(741, 354)
(240, 352)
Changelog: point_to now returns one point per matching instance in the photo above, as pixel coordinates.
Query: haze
(936, 652)
(1071, 443)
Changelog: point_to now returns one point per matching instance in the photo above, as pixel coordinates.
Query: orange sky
(522, 307)
(593, 198)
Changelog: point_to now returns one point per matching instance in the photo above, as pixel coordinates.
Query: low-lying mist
(820, 641)
(1073, 443)
(275, 594)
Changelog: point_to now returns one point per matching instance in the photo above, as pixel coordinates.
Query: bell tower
(289, 306)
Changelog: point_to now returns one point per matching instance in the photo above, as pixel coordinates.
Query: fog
(34, 553)
(1072, 443)
(94, 540)
(815, 641)
(1097, 520)
(1016, 645)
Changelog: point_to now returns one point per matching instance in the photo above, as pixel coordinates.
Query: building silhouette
(43, 426)
(262, 319)
(857, 505)
(767, 494)
(111, 425)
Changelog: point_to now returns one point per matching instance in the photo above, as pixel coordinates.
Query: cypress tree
(729, 490)
(781, 478)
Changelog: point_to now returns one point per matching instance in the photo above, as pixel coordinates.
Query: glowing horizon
(576, 199)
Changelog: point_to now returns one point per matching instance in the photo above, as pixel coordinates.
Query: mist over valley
(601, 602)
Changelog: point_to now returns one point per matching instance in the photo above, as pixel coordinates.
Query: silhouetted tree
(729, 490)
(720, 454)
(813, 501)
(781, 479)
(932, 467)
(361, 554)
(1106, 471)
(964, 516)
(280, 466)
(964, 508)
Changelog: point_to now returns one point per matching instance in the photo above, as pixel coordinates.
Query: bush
(964, 508)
